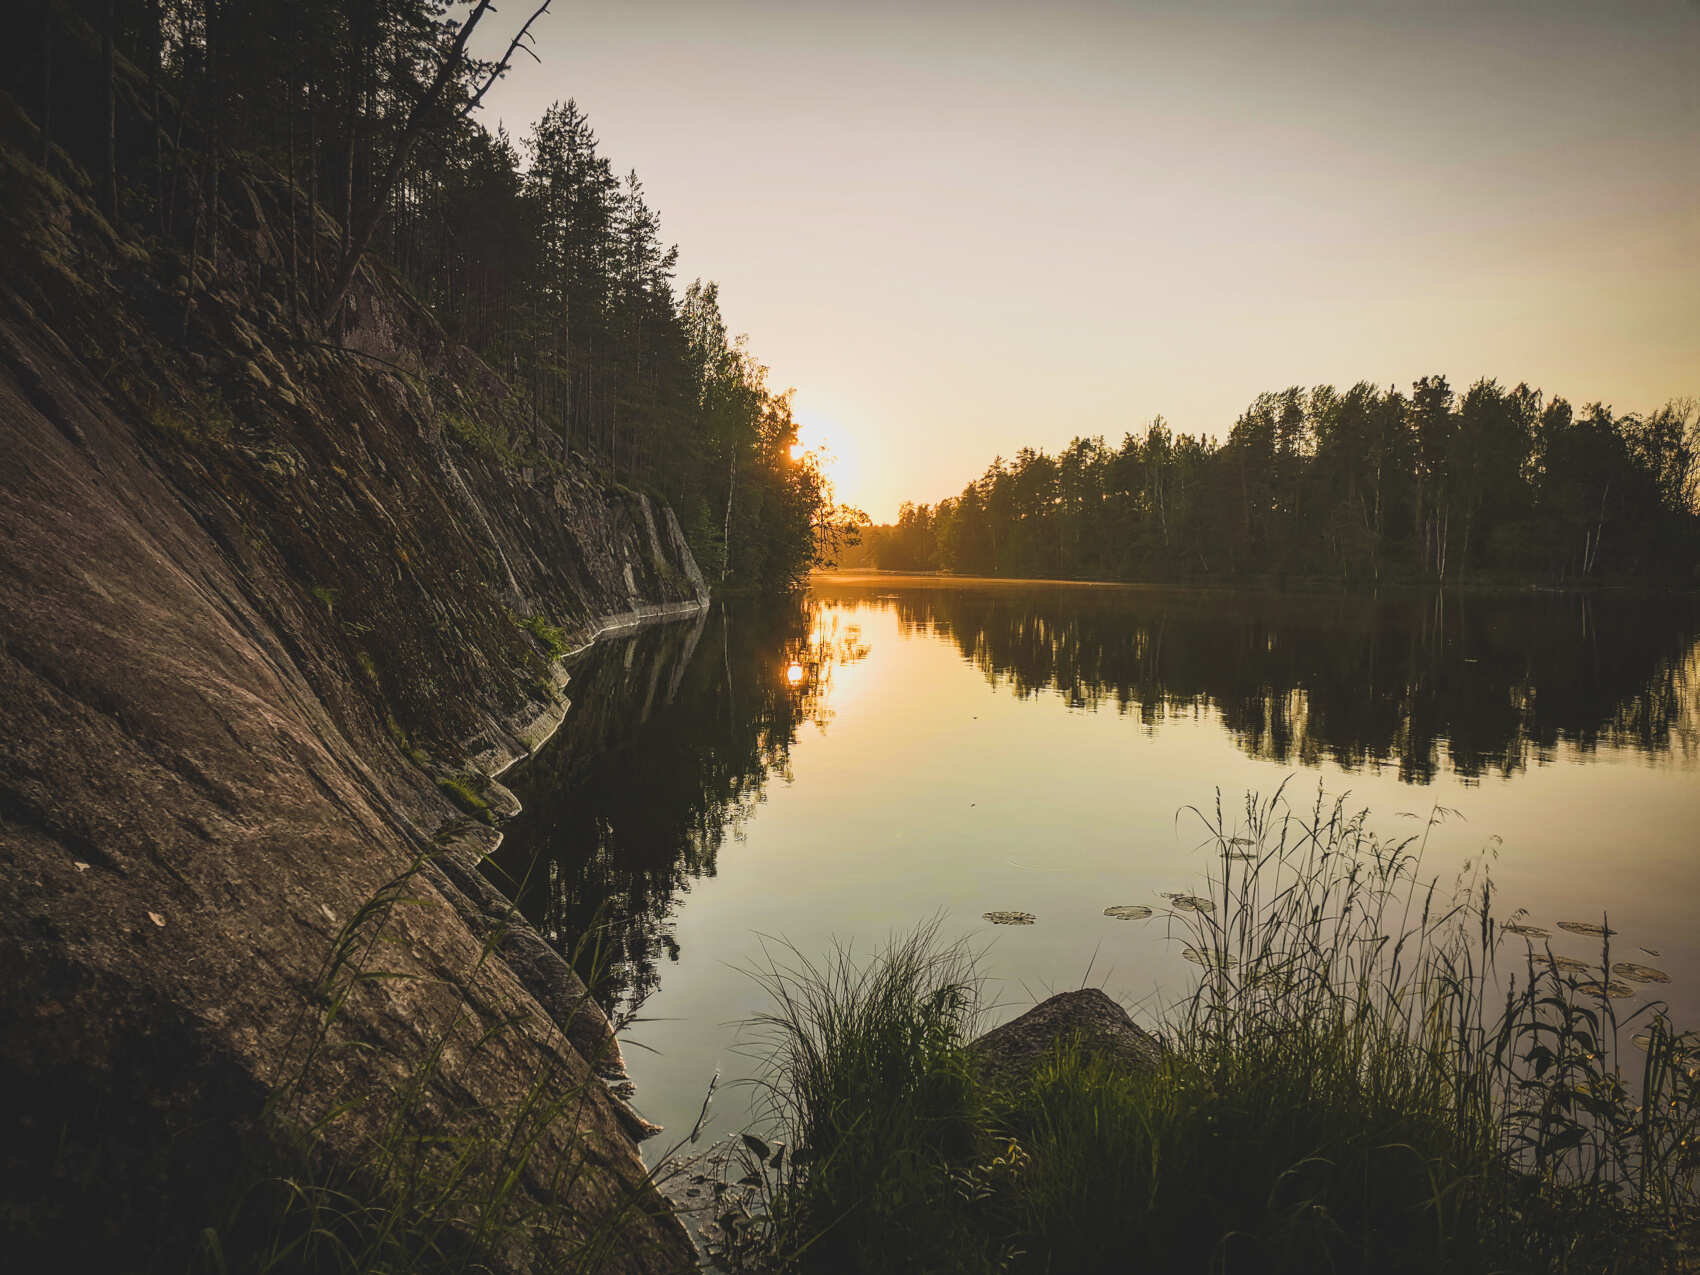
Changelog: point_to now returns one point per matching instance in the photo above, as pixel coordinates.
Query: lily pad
(1652, 951)
(1570, 965)
(1637, 973)
(1191, 902)
(1527, 931)
(1210, 960)
(1011, 918)
(1617, 989)
(1128, 912)
(1586, 927)
(1680, 1050)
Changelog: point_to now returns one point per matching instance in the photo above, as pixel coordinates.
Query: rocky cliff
(274, 610)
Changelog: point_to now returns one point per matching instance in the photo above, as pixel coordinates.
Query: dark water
(848, 764)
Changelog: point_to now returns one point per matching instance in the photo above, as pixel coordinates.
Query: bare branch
(517, 44)
(360, 236)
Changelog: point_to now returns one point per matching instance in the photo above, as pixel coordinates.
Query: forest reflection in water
(669, 743)
(1482, 684)
(676, 732)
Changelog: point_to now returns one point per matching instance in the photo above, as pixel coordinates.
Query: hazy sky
(959, 229)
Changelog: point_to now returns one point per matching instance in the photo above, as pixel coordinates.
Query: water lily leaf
(1637, 973)
(1615, 988)
(1191, 902)
(1527, 931)
(1128, 912)
(1678, 1053)
(1570, 965)
(1586, 927)
(1011, 918)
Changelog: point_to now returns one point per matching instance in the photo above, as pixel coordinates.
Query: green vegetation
(345, 138)
(1370, 1074)
(477, 437)
(871, 1085)
(1360, 487)
(199, 419)
(422, 1180)
(551, 638)
(460, 789)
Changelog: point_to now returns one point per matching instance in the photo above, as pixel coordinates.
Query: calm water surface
(844, 766)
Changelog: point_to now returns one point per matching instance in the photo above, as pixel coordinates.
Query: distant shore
(1257, 584)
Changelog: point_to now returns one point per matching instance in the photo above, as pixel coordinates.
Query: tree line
(1361, 486)
(534, 252)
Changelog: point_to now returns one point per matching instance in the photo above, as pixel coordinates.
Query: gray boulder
(1009, 1055)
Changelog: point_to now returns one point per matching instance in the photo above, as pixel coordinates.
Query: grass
(426, 1178)
(550, 637)
(1370, 1073)
(477, 437)
(869, 1080)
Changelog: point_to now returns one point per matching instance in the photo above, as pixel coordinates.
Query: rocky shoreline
(260, 600)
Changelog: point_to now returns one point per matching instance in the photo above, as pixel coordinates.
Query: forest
(1361, 487)
(532, 251)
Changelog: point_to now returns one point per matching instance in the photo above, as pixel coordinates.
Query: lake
(884, 750)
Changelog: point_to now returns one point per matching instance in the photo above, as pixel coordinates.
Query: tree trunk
(46, 81)
(294, 242)
(726, 530)
(312, 195)
(359, 237)
(109, 74)
(215, 79)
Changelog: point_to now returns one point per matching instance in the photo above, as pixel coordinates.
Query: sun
(833, 446)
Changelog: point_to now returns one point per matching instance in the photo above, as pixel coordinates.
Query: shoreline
(1298, 586)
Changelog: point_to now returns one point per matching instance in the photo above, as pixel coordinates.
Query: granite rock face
(261, 599)
(1009, 1055)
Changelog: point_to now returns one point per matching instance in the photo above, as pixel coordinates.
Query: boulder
(1009, 1055)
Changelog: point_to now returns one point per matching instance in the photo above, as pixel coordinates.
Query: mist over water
(848, 763)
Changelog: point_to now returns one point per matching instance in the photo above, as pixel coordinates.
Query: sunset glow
(834, 445)
(1116, 211)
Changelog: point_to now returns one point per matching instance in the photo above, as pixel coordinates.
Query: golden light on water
(794, 674)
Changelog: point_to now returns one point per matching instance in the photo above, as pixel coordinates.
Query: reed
(1369, 1073)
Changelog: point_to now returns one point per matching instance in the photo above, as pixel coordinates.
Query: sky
(960, 229)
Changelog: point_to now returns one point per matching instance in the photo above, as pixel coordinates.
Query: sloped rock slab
(1009, 1056)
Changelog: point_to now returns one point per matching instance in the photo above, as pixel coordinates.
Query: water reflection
(675, 733)
(667, 749)
(1481, 685)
